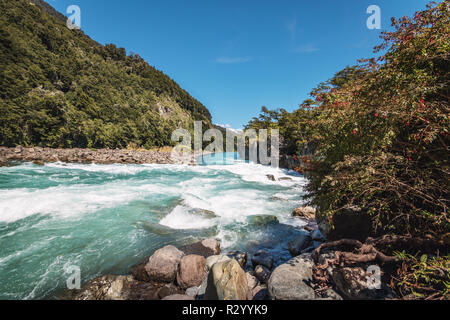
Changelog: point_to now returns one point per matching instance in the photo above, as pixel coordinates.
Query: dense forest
(380, 135)
(59, 88)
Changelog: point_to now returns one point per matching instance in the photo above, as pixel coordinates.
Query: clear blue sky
(236, 56)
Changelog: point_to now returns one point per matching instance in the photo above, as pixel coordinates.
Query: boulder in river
(262, 220)
(301, 242)
(316, 235)
(163, 264)
(292, 280)
(227, 281)
(262, 258)
(271, 177)
(205, 248)
(191, 271)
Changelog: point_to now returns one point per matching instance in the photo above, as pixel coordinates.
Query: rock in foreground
(163, 264)
(227, 281)
(191, 271)
(292, 280)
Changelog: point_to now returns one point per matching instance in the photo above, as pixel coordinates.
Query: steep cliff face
(60, 88)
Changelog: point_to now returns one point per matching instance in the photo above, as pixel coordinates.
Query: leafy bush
(380, 131)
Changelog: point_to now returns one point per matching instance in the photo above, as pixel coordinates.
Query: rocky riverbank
(200, 271)
(40, 155)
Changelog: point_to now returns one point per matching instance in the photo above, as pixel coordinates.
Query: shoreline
(41, 155)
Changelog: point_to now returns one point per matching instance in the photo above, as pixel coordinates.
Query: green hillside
(59, 88)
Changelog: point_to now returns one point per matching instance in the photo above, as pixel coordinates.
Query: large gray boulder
(163, 264)
(262, 258)
(191, 271)
(227, 281)
(292, 280)
(300, 243)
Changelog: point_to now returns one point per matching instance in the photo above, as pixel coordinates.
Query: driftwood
(364, 253)
(356, 253)
(350, 252)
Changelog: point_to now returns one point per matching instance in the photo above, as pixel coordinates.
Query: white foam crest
(181, 218)
(71, 201)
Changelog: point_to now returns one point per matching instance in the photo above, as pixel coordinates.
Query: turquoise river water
(106, 218)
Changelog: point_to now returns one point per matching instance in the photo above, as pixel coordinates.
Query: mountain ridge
(60, 88)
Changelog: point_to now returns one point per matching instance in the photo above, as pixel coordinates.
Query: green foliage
(59, 88)
(422, 277)
(380, 131)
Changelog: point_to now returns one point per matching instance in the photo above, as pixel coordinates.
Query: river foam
(107, 217)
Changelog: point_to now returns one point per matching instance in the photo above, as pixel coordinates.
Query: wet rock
(311, 226)
(262, 220)
(271, 177)
(239, 256)
(284, 179)
(205, 248)
(211, 260)
(292, 280)
(163, 264)
(262, 274)
(139, 273)
(207, 214)
(316, 235)
(191, 271)
(300, 243)
(179, 297)
(262, 258)
(227, 281)
(316, 244)
(308, 250)
(304, 212)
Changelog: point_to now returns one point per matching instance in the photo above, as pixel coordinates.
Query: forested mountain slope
(59, 88)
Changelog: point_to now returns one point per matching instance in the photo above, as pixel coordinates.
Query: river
(106, 218)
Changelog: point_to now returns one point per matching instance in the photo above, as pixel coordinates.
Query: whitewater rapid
(105, 218)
